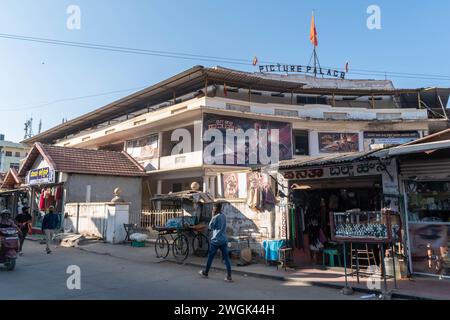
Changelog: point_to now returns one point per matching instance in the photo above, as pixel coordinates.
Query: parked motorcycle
(9, 247)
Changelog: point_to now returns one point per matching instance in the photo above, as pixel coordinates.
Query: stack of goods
(260, 196)
(369, 230)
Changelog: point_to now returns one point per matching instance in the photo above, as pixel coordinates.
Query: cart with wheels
(186, 233)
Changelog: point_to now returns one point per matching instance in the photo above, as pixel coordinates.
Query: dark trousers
(212, 253)
(22, 237)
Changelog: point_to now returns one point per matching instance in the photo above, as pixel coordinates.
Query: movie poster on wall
(224, 123)
(332, 142)
(379, 140)
(144, 148)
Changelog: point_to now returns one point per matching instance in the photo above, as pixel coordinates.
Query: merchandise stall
(46, 190)
(360, 183)
(13, 196)
(426, 184)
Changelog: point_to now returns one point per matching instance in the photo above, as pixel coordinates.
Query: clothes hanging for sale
(300, 223)
(250, 197)
(269, 198)
(42, 200)
(58, 193)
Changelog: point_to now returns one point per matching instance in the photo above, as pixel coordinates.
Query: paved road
(42, 276)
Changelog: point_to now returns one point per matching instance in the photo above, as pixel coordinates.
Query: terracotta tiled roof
(11, 180)
(84, 161)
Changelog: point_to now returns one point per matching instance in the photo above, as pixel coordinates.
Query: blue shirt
(218, 225)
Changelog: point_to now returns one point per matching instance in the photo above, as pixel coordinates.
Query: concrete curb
(311, 283)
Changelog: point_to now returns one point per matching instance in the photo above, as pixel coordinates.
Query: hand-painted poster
(379, 140)
(338, 142)
(254, 145)
(231, 185)
(235, 185)
(143, 148)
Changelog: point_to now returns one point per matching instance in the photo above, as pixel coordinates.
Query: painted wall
(101, 189)
(241, 218)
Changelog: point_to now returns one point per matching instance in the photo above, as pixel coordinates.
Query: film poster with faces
(224, 123)
(332, 142)
(429, 248)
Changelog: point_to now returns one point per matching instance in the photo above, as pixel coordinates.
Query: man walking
(23, 220)
(219, 240)
(49, 226)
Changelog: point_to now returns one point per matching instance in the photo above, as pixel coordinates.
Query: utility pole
(40, 126)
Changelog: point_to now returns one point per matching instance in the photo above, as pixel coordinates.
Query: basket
(199, 227)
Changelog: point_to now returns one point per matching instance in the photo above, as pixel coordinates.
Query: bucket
(390, 268)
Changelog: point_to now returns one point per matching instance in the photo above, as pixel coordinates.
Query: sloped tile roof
(84, 161)
(10, 180)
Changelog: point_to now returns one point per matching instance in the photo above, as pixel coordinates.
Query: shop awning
(419, 148)
(334, 159)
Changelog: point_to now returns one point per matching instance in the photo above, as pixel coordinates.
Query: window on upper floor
(8, 153)
(301, 143)
(17, 154)
(14, 166)
(311, 100)
(286, 113)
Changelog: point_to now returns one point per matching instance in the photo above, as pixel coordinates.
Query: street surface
(42, 276)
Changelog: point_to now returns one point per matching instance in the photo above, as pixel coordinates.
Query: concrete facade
(101, 189)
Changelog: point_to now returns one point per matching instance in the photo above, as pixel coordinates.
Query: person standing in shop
(50, 226)
(23, 220)
(219, 240)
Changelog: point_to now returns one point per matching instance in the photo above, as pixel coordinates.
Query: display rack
(361, 226)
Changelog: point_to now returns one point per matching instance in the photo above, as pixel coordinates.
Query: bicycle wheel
(180, 248)
(162, 247)
(200, 245)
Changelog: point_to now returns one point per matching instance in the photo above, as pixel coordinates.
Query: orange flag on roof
(313, 33)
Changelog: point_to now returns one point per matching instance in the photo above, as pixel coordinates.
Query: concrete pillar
(219, 186)
(158, 191)
(212, 185)
(160, 146)
(205, 183)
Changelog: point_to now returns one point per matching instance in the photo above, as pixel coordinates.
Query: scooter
(9, 247)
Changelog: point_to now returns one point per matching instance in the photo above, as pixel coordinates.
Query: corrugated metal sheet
(336, 158)
(425, 168)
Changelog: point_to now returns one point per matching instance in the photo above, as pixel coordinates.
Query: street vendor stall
(186, 229)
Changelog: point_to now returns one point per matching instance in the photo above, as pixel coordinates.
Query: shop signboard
(43, 175)
(378, 140)
(248, 133)
(334, 142)
(358, 169)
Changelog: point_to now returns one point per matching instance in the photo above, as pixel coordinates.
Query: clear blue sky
(413, 38)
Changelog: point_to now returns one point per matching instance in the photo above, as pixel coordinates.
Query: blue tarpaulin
(271, 248)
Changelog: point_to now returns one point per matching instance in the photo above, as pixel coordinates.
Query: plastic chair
(331, 253)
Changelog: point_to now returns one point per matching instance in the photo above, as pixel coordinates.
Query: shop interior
(310, 234)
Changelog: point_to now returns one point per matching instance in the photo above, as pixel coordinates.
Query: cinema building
(315, 116)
